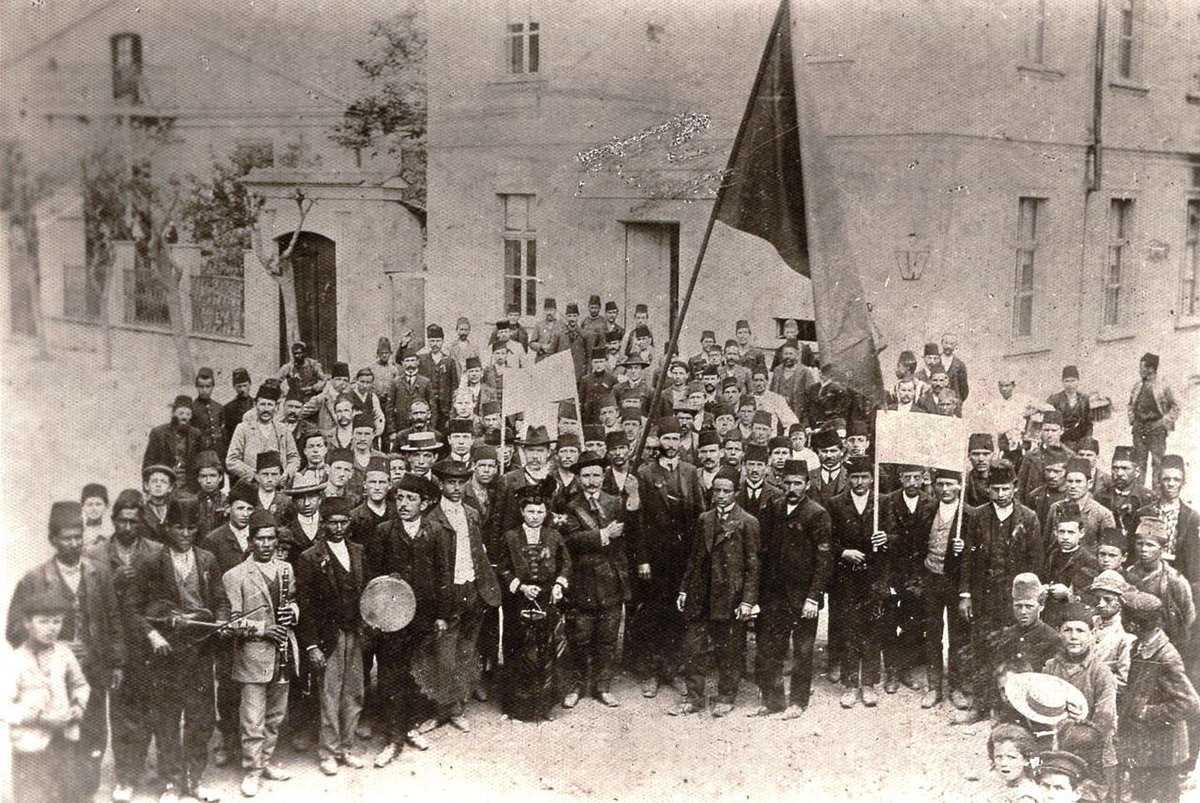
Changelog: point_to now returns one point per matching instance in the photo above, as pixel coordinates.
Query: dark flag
(778, 160)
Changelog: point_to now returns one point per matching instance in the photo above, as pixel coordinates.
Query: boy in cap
(158, 485)
(717, 592)
(1049, 445)
(858, 589)
(1078, 664)
(263, 434)
(1155, 706)
(97, 527)
(49, 695)
(235, 408)
(1070, 566)
(175, 443)
(330, 578)
(91, 629)
(210, 476)
(1112, 642)
(1124, 495)
(1058, 773)
(1074, 407)
(515, 353)
(262, 592)
(795, 567)
(441, 371)
(184, 579)
(1152, 411)
(1153, 574)
(1093, 516)
(1088, 448)
(1112, 549)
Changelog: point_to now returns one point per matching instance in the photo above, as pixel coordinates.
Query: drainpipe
(1093, 163)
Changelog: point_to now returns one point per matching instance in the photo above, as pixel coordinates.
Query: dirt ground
(894, 752)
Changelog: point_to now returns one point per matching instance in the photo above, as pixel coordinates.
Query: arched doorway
(314, 263)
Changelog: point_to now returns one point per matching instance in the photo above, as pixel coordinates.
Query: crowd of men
(235, 573)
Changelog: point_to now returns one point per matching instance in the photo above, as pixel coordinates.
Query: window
(1127, 43)
(520, 253)
(1190, 273)
(1029, 211)
(523, 51)
(1120, 224)
(126, 50)
(1036, 52)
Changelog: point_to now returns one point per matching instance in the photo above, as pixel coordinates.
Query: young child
(45, 705)
(1112, 641)
(97, 526)
(214, 504)
(1009, 749)
(1058, 774)
(1110, 551)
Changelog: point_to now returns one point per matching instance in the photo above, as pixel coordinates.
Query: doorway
(314, 263)
(652, 273)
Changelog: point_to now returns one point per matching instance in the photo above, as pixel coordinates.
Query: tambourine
(388, 604)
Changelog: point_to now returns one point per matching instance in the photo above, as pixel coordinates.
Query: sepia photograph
(600, 400)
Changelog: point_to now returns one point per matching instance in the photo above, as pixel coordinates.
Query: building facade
(1023, 174)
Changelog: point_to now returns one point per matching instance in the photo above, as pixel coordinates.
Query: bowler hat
(451, 470)
(589, 459)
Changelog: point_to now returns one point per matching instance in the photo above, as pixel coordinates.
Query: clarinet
(281, 654)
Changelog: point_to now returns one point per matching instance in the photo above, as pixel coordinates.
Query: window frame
(1115, 284)
(1024, 292)
(1127, 40)
(520, 286)
(1189, 266)
(522, 49)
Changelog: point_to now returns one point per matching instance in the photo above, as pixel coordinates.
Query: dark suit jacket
(506, 513)
(796, 558)
(995, 553)
(957, 374)
(414, 560)
(402, 398)
(665, 533)
(364, 522)
(908, 533)
(853, 531)
(1077, 420)
(722, 569)
(105, 634)
(553, 562)
(768, 494)
(160, 450)
(1125, 509)
(443, 381)
(447, 553)
(321, 616)
(822, 493)
(600, 571)
(156, 589)
(224, 546)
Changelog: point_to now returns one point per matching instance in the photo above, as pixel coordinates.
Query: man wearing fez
(671, 503)
(408, 387)
(1003, 539)
(263, 434)
(208, 415)
(907, 515)
(441, 371)
(594, 326)
(1181, 522)
(980, 448)
(406, 547)
(178, 659)
(261, 591)
(230, 544)
(302, 372)
(517, 332)
(130, 709)
(1074, 407)
(1152, 411)
(717, 593)
(594, 532)
(547, 335)
(830, 479)
(595, 386)
(1089, 449)
(97, 526)
(1053, 490)
(176, 443)
(795, 566)
(859, 587)
(1093, 516)
(754, 493)
(1049, 447)
(92, 628)
(337, 386)
(235, 409)
(467, 588)
(330, 579)
(1125, 495)
(513, 349)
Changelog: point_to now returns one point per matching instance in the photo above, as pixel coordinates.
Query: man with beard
(671, 503)
(462, 349)
(130, 707)
(980, 448)
(407, 389)
(261, 435)
(906, 516)
(91, 628)
(176, 443)
(796, 564)
(235, 408)
(1093, 515)
(208, 415)
(1049, 447)
(420, 420)
(302, 373)
(791, 380)
(1003, 539)
(594, 532)
(547, 333)
(181, 578)
(830, 480)
(534, 470)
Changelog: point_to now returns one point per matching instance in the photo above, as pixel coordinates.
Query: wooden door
(652, 274)
(314, 263)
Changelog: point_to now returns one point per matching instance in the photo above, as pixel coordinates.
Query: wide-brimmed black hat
(536, 436)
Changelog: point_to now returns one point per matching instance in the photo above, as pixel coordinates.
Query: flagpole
(673, 344)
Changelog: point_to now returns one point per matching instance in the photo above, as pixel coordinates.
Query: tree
(390, 118)
(224, 216)
(19, 194)
(105, 217)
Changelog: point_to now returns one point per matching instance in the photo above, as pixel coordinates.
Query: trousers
(341, 692)
(728, 638)
(262, 710)
(941, 600)
(862, 621)
(132, 723)
(779, 626)
(182, 688)
(1152, 443)
(655, 633)
(592, 635)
